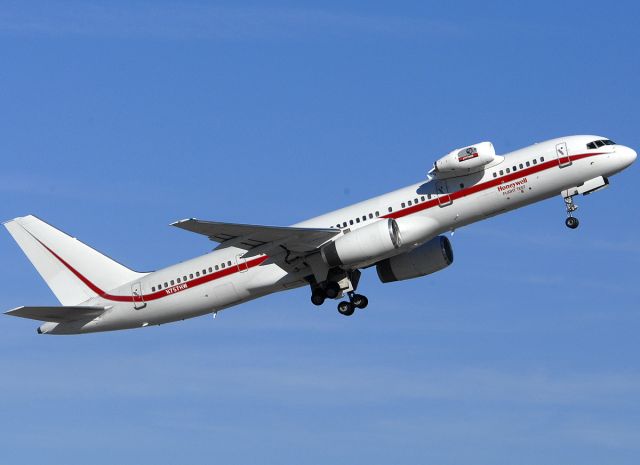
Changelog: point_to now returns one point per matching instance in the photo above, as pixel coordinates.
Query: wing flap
(57, 314)
(249, 236)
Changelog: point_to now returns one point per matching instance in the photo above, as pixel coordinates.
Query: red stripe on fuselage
(259, 260)
(489, 184)
(158, 294)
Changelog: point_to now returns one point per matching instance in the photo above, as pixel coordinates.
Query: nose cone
(627, 154)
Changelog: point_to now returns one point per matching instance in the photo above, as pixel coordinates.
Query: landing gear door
(562, 153)
(442, 193)
(138, 297)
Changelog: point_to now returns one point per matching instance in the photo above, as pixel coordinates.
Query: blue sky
(121, 117)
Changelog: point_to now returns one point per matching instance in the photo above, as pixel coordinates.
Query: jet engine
(361, 245)
(428, 258)
(465, 160)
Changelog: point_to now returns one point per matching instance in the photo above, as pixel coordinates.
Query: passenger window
(179, 280)
(229, 263)
(153, 289)
(357, 220)
(370, 215)
(217, 267)
(351, 222)
(541, 158)
(535, 162)
(410, 203)
(508, 171)
(495, 174)
(402, 205)
(461, 185)
(521, 166)
(166, 285)
(415, 201)
(364, 217)
(513, 168)
(210, 270)
(197, 274)
(422, 198)
(190, 276)
(429, 196)
(501, 172)
(185, 278)
(172, 282)
(390, 209)
(344, 225)
(528, 164)
(377, 214)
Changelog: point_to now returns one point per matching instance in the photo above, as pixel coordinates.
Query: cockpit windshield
(600, 143)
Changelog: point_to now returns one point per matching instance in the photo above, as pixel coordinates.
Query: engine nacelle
(465, 160)
(430, 257)
(363, 244)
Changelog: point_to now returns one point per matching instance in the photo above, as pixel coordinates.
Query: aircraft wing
(57, 314)
(257, 239)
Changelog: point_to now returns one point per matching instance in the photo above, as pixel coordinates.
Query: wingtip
(17, 219)
(11, 312)
(176, 223)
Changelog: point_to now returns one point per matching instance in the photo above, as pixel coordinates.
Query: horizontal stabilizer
(250, 236)
(57, 314)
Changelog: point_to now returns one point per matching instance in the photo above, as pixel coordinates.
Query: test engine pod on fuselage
(465, 160)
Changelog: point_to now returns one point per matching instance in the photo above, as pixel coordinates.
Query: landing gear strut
(571, 221)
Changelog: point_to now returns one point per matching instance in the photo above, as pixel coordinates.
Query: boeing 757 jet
(399, 233)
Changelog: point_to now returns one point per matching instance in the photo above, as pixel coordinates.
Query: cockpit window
(599, 143)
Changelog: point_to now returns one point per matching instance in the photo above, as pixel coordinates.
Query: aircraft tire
(572, 222)
(317, 297)
(360, 301)
(346, 308)
(333, 290)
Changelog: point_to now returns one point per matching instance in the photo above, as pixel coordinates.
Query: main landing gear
(355, 301)
(571, 221)
(345, 284)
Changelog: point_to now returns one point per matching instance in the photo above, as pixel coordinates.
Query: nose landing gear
(571, 221)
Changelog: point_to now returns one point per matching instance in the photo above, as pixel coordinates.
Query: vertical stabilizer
(74, 271)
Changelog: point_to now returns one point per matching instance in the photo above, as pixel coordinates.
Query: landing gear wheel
(333, 290)
(317, 297)
(346, 308)
(359, 301)
(572, 222)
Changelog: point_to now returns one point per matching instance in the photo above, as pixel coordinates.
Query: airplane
(399, 233)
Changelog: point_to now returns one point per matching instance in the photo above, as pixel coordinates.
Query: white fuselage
(222, 278)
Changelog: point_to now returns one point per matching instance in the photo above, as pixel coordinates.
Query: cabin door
(242, 263)
(138, 297)
(442, 192)
(562, 153)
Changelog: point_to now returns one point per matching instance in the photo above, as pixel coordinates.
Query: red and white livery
(400, 233)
